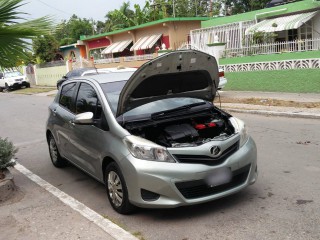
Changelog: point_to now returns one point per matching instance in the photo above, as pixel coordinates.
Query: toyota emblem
(215, 151)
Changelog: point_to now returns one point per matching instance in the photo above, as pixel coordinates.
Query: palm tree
(15, 32)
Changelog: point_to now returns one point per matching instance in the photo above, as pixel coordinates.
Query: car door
(88, 142)
(63, 111)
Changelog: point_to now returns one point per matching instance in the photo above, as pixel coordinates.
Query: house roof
(86, 38)
(263, 13)
(68, 46)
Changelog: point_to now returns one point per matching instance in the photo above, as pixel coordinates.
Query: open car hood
(184, 73)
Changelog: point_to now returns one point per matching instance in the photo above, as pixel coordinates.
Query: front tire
(55, 156)
(117, 190)
(6, 87)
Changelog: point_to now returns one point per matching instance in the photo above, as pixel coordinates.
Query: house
(73, 51)
(136, 45)
(286, 27)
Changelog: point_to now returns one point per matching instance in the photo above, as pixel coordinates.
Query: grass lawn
(33, 90)
(295, 81)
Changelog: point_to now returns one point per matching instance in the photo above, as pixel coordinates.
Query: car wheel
(27, 85)
(1, 89)
(55, 156)
(117, 190)
(7, 88)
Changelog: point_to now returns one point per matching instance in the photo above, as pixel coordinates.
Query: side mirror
(64, 77)
(83, 119)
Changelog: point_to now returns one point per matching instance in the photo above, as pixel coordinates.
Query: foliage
(123, 17)
(186, 8)
(155, 10)
(240, 6)
(68, 32)
(259, 37)
(45, 48)
(14, 32)
(7, 152)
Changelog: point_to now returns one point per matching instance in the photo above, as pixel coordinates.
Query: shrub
(7, 152)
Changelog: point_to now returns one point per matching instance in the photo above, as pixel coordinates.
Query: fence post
(35, 74)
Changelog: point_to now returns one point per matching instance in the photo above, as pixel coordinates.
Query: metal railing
(107, 60)
(138, 58)
(277, 47)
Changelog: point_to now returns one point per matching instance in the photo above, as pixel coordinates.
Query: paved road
(283, 204)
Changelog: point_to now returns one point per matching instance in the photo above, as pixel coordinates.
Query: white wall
(316, 26)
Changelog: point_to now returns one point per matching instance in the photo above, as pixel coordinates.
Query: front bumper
(178, 184)
(18, 84)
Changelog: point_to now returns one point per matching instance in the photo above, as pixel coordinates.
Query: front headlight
(240, 127)
(147, 150)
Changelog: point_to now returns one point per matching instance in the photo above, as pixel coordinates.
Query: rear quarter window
(66, 96)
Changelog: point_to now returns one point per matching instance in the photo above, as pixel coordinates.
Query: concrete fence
(50, 75)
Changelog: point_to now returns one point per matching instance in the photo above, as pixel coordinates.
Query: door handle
(71, 123)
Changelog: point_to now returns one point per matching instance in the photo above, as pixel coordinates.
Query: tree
(119, 19)
(68, 32)
(241, 6)
(45, 48)
(154, 10)
(14, 33)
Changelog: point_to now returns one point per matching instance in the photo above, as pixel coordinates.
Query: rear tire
(55, 156)
(117, 189)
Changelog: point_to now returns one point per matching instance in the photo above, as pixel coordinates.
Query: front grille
(199, 188)
(19, 80)
(203, 159)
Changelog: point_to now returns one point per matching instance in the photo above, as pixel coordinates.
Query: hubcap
(53, 150)
(115, 188)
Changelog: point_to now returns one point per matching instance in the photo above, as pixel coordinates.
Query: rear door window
(66, 96)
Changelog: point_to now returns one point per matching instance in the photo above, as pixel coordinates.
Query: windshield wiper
(161, 114)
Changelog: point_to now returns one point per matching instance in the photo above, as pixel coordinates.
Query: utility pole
(195, 4)
(173, 8)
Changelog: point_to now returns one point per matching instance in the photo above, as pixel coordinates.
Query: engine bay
(184, 131)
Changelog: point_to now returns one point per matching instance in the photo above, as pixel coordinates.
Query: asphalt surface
(283, 204)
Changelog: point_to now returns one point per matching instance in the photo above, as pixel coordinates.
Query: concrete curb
(276, 113)
(7, 186)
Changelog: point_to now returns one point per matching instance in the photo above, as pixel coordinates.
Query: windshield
(12, 74)
(162, 105)
(112, 91)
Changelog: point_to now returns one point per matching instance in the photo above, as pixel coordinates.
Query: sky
(64, 9)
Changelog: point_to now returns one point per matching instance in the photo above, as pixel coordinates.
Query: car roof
(108, 77)
(79, 71)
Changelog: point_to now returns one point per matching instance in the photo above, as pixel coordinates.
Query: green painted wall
(291, 7)
(49, 76)
(270, 57)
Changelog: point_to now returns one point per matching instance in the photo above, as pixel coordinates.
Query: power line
(59, 10)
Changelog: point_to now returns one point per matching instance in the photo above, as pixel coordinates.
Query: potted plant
(7, 152)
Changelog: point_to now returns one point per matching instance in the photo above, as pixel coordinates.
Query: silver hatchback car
(153, 136)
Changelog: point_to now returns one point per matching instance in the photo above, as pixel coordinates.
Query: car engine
(185, 132)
